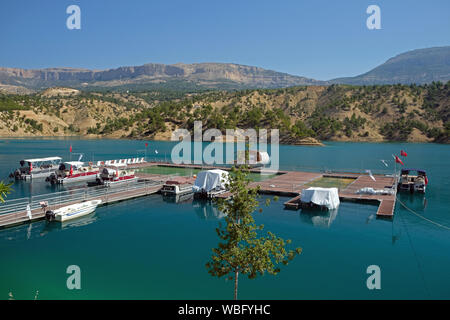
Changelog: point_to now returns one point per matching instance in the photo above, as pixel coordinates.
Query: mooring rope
(419, 266)
(422, 217)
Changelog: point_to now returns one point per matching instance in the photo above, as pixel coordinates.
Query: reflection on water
(206, 210)
(41, 228)
(416, 201)
(179, 198)
(317, 217)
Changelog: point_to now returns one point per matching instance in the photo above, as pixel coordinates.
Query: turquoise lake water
(150, 248)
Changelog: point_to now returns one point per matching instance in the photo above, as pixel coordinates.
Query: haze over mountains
(417, 66)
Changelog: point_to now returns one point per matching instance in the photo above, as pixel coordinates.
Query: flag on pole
(398, 160)
(70, 149)
(403, 153)
(146, 144)
(426, 180)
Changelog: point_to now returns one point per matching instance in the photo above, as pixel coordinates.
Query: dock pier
(285, 183)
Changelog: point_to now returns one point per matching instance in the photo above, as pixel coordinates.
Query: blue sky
(317, 39)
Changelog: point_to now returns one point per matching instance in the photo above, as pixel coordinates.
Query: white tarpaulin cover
(210, 180)
(328, 197)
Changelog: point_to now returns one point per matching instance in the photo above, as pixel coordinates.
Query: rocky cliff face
(202, 73)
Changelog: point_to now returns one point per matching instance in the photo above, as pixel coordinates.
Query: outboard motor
(49, 215)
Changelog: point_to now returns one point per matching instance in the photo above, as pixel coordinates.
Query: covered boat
(320, 197)
(72, 211)
(36, 168)
(74, 171)
(413, 180)
(210, 183)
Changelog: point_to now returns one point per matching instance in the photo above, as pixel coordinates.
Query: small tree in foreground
(5, 189)
(243, 250)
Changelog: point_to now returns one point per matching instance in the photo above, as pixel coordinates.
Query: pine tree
(243, 249)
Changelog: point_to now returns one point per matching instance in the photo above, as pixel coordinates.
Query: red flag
(70, 149)
(426, 180)
(397, 159)
(146, 144)
(403, 153)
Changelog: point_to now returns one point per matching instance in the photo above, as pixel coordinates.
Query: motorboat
(74, 171)
(72, 211)
(321, 198)
(413, 180)
(36, 168)
(116, 175)
(210, 183)
(173, 187)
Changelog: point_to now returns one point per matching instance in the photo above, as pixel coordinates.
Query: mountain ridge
(200, 73)
(417, 66)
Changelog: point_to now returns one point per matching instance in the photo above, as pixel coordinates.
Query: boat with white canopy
(36, 168)
(74, 171)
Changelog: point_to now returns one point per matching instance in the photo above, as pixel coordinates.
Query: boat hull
(76, 211)
(81, 178)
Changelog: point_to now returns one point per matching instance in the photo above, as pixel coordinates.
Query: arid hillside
(302, 114)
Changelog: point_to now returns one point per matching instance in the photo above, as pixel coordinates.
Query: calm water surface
(154, 248)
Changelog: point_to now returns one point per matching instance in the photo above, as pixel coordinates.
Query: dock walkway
(292, 183)
(14, 212)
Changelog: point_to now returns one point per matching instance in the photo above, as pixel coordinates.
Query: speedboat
(413, 180)
(72, 211)
(36, 168)
(74, 171)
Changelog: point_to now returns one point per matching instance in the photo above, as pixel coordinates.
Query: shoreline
(322, 143)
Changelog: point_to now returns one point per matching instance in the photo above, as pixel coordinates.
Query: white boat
(210, 183)
(413, 180)
(323, 198)
(72, 211)
(176, 188)
(116, 175)
(74, 171)
(36, 168)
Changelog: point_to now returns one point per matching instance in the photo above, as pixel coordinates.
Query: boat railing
(69, 196)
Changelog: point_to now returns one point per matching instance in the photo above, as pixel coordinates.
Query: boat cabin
(36, 168)
(413, 180)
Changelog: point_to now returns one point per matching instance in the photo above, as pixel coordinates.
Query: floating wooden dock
(292, 183)
(14, 212)
(284, 183)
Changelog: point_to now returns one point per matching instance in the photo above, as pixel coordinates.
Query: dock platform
(284, 183)
(14, 212)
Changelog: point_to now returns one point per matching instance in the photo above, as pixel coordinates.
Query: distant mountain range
(199, 75)
(417, 66)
